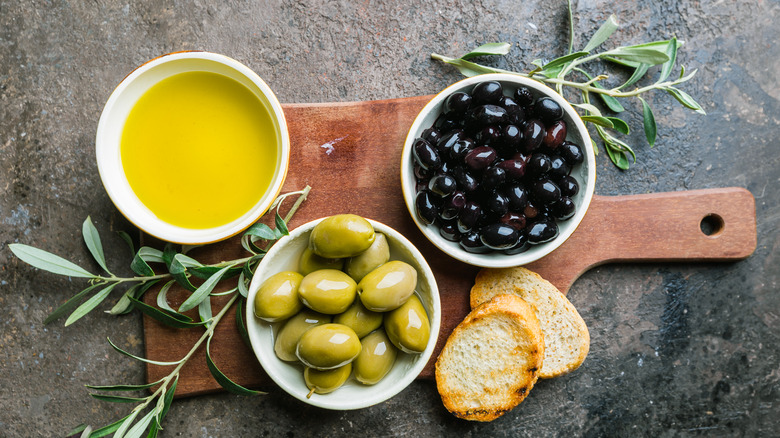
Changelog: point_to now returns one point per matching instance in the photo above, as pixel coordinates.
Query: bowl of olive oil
(192, 147)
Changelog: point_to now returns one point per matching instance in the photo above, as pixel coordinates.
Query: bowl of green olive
(343, 313)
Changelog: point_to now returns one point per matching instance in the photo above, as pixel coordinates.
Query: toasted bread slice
(491, 360)
(566, 337)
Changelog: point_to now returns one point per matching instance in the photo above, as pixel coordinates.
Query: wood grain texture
(349, 153)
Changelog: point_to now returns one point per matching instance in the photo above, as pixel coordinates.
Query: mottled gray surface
(677, 349)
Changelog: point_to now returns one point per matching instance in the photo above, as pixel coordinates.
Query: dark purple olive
(499, 236)
(548, 110)
(428, 206)
(485, 115)
(420, 172)
(432, 135)
(480, 157)
(516, 220)
(458, 102)
(469, 216)
(571, 152)
(487, 92)
(568, 185)
(530, 211)
(555, 135)
(489, 135)
(448, 140)
(511, 106)
(449, 231)
(564, 208)
(461, 148)
(558, 167)
(466, 181)
(512, 136)
(524, 97)
(493, 177)
(445, 167)
(517, 196)
(496, 202)
(425, 154)
(541, 232)
(472, 243)
(452, 205)
(446, 122)
(515, 169)
(544, 190)
(520, 246)
(533, 134)
(442, 185)
(538, 165)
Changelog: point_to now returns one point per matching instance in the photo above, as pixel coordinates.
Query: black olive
(493, 177)
(558, 167)
(538, 165)
(555, 135)
(449, 231)
(569, 186)
(516, 220)
(499, 236)
(533, 134)
(442, 184)
(489, 135)
(571, 152)
(517, 196)
(472, 243)
(487, 92)
(458, 102)
(513, 109)
(485, 115)
(446, 122)
(544, 190)
(425, 154)
(512, 136)
(564, 208)
(428, 206)
(524, 97)
(469, 216)
(515, 169)
(460, 149)
(480, 157)
(466, 181)
(448, 140)
(431, 134)
(496, 202)
(452, 205)
(541, 232)
(548, 110)
(520, 246)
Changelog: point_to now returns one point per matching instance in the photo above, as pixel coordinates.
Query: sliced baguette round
(566, 337)
(491, 360)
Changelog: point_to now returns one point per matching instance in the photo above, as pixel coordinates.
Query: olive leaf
(126, 423)
(203, 291)
(488, 49)
(71, 303)
(649, 122)
(47, 261)
(605, 31)
(139, 428)
(639, 72)
(162, 297)
(128, 240)
(619, 125)
(154, 362)
(178, 270)
(639, 54)
(671, 52)
(171, 319)
(118, 398)
(144, 256)
(598, 120)
(222, 379)
(240, 323)
(685, 99)
(204, 312)
(92, 239)
(122, 387)
(109, 429)
(90, 304)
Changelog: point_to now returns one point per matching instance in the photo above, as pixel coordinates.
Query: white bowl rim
(161, 229)
(270, 364)
(497, 260)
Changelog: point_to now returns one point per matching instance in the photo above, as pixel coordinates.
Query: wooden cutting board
(349, 154)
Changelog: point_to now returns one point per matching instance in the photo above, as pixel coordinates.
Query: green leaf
(154, 362)
(619, 125)
(222, 379)
(204, 311)
(649, 122)
(140, 267)
(608, 100)
(126, 424)
(281, 227)
(262, 231)
(47, 261)
(638, 74)
(122, 387)
(125, 304)
(559, 63)
(162, 297)
(488, 49)
(150, 255)
(605, 31)
(128, 240)
(203, 291)
(468, 68)
(118, 398)
(90, 304)
(168, 400)
(618, 158)
(141, 426)
(207, 271)
(598, 120)
(178, 270)
(593, 110)
(109, 429)
(92, 239)
(243, 288)
(175, 320)
(240, 323)
(70, 304)
(671, 52)
(637, 54)
(78, 429)
(169, 252)
(685, 99)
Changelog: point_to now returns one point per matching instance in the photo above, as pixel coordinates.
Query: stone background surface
(677, 349)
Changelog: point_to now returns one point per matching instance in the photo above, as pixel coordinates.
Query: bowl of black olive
(498, 170)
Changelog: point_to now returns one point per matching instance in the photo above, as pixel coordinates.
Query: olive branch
(179, 268)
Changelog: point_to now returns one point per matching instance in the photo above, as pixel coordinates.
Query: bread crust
(567, 340)
(491, 360)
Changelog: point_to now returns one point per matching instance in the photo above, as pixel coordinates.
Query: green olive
(287, 337)
(376, 358)
(388, 286)
(408, 327)
(375, 256)
(277, 298)
(327, 291)
(359, 319)
(341, 236)
(328, 346)
(325, 381)
(311, 262)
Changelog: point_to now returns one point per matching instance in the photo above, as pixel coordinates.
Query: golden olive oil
(199, 149)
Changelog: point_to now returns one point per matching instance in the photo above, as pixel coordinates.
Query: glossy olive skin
(310, 262)
(328, 346)
(326, 381)
(359, 319)
(376, 358)
(408, 327)
(288, 336)
(327, 291)
(277, 298)
(388, 286)
(375, 256)
(341, 236)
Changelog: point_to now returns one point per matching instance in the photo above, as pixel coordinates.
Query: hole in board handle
(711, 225)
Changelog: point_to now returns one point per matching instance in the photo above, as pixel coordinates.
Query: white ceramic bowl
(585, 173)
(112, 122)
(284, 256)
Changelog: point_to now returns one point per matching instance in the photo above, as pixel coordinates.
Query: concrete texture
(677, 349)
